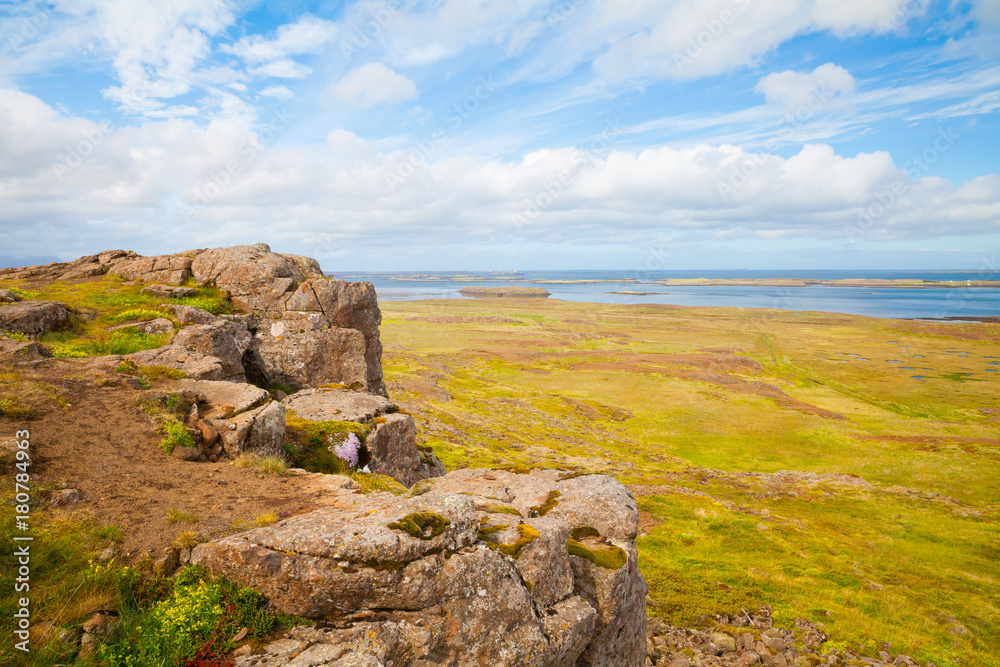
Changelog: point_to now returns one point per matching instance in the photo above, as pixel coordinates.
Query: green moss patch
(176, 436)
(549, 504)
(610, 558)
(310, 444)
(528, 535)
(502, 509)
(422, 525)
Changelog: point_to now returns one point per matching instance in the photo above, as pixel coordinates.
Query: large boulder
(195, 365)
(436, 579)
(166, 269)
(311, 358)
(256, 278)
(223, 340)
(32, 317)
(392, 441)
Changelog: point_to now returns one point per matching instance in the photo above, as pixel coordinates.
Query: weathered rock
(326, 404)
(17, 350)
(223, 399)
(169, 291)
(192, 315)
(160, 325)
(99, 624)
(544, 562)
(7, 296)
(166, 269)
(84, 271)
(256, 278)
(186, 453)
(266, 435)
(196, 366)
(307, 266)
(442, 596)
(346, 305)
(33, 317)
(223, 340)
(88, 649)
(313, 358)
(393, 448)
(168, 563)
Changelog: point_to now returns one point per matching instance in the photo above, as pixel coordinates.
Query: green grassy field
(780, 458)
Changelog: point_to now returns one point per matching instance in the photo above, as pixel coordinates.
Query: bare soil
(106, 447)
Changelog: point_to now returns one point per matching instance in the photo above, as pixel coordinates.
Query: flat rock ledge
(479, 567)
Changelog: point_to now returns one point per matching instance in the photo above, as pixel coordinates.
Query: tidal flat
(837, 467)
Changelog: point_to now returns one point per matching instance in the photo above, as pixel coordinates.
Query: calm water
(874, 302)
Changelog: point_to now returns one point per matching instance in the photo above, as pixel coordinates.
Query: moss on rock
(528, 535)
(549, 504)
(610, 558)
(422, 525)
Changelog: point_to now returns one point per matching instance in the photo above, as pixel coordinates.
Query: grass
(310, 444)
(188, 539)
(177, 516)
(266, 465)
(98, 304)
(645, 394)
(265, 519)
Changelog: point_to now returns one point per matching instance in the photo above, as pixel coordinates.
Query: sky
(401, 135)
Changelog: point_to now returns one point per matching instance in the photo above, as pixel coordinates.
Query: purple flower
(348, 450)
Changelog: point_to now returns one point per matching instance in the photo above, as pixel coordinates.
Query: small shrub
(265, 519)
(122, 342)
(127, 366)
(176, 436)
(188, 539)
(177, 516)
(15, 335)
(267, 465)
(109, 531)
(214, 305)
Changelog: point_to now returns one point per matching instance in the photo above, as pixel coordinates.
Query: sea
(916, 303)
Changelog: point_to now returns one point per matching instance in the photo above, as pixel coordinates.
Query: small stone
(99, 624)
(88, 649)
(186, 453)
(724, 642)
(65, 497)
(168, 563)
(243, 651)
(239, 636)
(107, 554)
(185, 556)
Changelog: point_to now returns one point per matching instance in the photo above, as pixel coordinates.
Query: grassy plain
(840, 468)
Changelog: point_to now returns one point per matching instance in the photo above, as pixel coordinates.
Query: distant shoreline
(869, 283)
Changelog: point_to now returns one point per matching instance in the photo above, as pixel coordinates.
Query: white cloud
(693, 38)
(157, 46)
(827, 86)
(277, 92)
(371, 84)
(307, 35)
(281, 69)
(135, 184)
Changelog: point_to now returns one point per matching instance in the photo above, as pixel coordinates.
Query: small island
(505, 292)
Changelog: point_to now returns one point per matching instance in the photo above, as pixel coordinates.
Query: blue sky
(514, 134)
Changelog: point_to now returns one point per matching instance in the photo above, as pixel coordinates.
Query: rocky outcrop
(195, 365)
(230, 418)
(479, 567)
(256, 278)
(226, 341)
(155, 327)
(33, 317)
(306, 330)
(392, 442)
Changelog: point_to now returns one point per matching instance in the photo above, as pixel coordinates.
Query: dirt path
(107, 448)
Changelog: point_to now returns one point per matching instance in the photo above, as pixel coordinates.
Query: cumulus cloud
(174, 184)
(281, 69)
(828, 86)
(156, 47)
(371, 84)
(307, 35)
